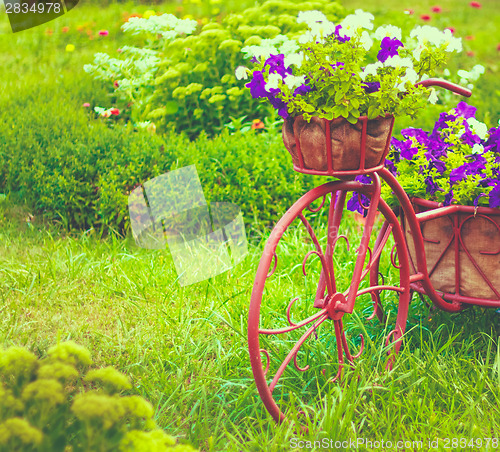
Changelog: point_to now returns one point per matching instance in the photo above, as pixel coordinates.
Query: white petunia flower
(273, 81)
(479, 128)
(410, 76)
(433, 98)
(366, 41)
(396, 61)
(426, 33)
(311, 17)
(322, 29)
(295, 59)
(477, 148)
(262, 51)
(418, 51)
(452, 44)
(293, 82)
(389, 31)
(370, 69)
(241, 73)
(359, 19)
(289, 47)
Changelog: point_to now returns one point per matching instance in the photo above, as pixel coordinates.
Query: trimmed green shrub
(77, 170)
(56, 403)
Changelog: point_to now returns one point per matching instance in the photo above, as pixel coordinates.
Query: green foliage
(335, 64)
(49, 405)
(179, 76)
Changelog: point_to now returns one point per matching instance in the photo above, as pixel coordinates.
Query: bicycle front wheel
(301, 317)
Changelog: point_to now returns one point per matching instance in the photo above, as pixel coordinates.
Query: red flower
(425, 17)
(65, 29)
(114, 111)
(475, 4)
(451, 29)
(86, 105)
(436, 9)
(470, 53)
(103, 32)
(116, 84)
(498, 47)
(470, 38)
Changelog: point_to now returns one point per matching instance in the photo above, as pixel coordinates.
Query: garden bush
(80, 171)
(57, 402)
(182, 74)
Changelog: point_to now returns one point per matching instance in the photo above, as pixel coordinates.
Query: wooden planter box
(462, 250)
(337, 147)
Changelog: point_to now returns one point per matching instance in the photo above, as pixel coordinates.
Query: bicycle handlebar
(446, 85)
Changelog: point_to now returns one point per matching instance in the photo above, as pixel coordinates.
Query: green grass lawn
(185, 347)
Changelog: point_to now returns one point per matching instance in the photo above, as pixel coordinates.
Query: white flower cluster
(267, 47)
(478, 127)
(355, 22)
(427, 34)
(471, 75)
(167, 25)
(387, 31)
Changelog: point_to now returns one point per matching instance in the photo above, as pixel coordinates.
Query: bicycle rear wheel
(302, 311)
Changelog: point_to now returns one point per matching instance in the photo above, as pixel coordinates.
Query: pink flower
(119, 50)
(436, 9)
(475, 4)
(86, 105)
(116, 84)
(470, 38)
(114, 111)
(425, 17)
(409, 11)
(451, 29)
(470, 53)
(103, 32)
(498, 47)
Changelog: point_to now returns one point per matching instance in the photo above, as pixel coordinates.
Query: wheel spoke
(293, 352)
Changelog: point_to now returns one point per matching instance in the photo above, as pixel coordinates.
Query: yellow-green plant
(56, 403)
(182, 74)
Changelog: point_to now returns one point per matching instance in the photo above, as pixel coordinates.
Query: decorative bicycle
(292, 302)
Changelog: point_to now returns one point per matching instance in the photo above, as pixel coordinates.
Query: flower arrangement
(457, 162)
(343, 70)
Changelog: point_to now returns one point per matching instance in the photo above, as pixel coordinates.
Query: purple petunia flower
(277, 103)
(337, 34)
(405, 148)
(371, 87)
(388, 48)
(430, 186)
(441, 123)
(493, 142)
(301, 90)
(495, 196)
(257, 85)
(458, 174)
(276, 64)
(448, 198)
(465, 110)
(469, 137)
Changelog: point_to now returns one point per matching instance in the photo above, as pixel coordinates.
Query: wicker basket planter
(332, 147)
(462, 250)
